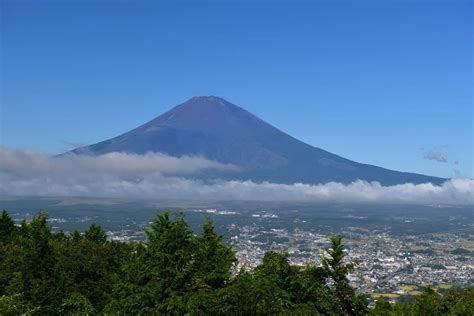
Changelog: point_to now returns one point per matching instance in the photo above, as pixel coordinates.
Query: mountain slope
(218, 130)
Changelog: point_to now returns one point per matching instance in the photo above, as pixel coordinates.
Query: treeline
(175, 272)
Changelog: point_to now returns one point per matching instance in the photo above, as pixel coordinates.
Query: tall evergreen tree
(337, 270)
(7, 226)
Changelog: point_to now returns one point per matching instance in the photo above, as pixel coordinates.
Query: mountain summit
(216, 129)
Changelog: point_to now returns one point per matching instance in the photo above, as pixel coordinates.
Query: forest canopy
(178, 272)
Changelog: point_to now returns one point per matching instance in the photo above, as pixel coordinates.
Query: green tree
(309, 293)
(180, 273)
(77, 304)
(89, 266)
(7, 226)
(129, 294)
(382, 307)
(337, 270)
(96, 234)
(37, 266)
(14, 305)
(248, 295)
(213, 259)
(461, 303)
(162, 270)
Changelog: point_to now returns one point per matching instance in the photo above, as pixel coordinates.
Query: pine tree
(337, 270)
(7, 226)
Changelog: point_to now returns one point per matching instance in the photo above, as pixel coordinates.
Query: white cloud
(27, 162)
(436, 154)
(160, 176)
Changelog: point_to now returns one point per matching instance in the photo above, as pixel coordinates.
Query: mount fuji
(218, 130)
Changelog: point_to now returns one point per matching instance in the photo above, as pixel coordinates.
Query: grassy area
(416, 248)
(408, 288)
(412, 290)
(385, 295)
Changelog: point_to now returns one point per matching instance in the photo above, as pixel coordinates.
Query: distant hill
(219, 130)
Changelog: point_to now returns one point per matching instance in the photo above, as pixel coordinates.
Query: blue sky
(381, 82)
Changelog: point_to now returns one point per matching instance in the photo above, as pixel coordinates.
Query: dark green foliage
(13, 305)
(77, 304)
(453, 302)
(171, 268)
(45, 272)
(95, 234)
(176, 272)
(348, 303)
(7, 226)
(382, 307)
(213, 259)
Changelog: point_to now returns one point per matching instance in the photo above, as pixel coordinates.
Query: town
(387, 266)
(390, 263)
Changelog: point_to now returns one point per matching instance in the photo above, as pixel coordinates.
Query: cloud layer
(160, 176)
(25, 162)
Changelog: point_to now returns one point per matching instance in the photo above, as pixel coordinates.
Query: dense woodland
(176, 272)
